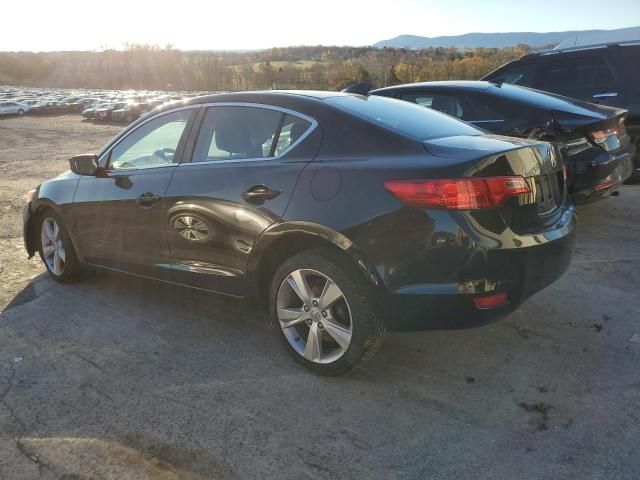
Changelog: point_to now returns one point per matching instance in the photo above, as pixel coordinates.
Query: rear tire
(56, 249)
(21, 112)
(338, 324)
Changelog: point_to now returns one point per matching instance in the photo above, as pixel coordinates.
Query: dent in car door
(218, 204)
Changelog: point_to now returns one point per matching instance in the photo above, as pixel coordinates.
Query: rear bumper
(517, 272)
(598, 177)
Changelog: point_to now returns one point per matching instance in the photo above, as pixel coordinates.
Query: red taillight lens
(491, 301)
(458, 193)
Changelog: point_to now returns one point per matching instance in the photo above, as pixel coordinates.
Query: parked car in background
(30, 102)
(607, 74)
(130, 112)
(90, 111)
(50, 107)
(80, 104)
(105, 112)
(413, 214)
(591, 138)
(13, 108)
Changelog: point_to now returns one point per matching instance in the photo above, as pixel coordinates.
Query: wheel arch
(283, 240)
(31, 231)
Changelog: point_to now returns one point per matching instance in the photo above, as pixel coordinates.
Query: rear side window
(449, 104)
(517, 74)
(571, 73)
(403, 117)
(237, 133)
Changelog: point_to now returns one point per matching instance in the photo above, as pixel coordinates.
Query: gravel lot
(118, 378)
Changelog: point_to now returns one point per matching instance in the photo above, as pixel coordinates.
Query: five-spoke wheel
(314, 316)
(326, 311)
(53, 246)
(56, 248)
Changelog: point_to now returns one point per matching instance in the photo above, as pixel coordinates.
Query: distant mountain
(498, 40)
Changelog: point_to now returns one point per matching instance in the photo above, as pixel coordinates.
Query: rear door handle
(605, 94)
(147, 199)
(258, 194)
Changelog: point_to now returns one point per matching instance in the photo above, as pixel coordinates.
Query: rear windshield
(403, 117)
(547, 100)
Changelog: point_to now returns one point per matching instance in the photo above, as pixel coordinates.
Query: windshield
(403, 117)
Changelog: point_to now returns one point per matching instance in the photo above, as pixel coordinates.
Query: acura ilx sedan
(342, 214)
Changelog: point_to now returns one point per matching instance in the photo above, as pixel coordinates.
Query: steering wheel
(166, 154)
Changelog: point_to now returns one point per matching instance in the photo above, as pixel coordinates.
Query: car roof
(464, 84)
(571, 49)
(266, 94)
(269, 97)
(515, 93)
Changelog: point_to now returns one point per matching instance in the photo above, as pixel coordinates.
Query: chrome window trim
(125, 133)
(309, 131)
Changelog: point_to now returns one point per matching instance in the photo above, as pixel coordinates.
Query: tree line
(152, 67)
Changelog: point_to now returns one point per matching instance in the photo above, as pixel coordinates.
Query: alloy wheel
(52, 246)
(314, 316)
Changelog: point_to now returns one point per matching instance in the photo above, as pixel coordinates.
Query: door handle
(147, 199)
(258, 194)
(605, 94)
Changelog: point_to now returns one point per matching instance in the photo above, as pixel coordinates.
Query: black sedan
(341, 213)
(49, 107)
(591, 138)
(129, 112)
(106, 111)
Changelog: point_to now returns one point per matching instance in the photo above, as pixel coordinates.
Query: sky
(248, 24)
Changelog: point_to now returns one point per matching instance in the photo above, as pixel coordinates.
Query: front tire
(21, 112)
(325, 312)
(56, 249)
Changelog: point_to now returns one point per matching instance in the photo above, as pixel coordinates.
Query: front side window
(152, 144)
(240, 133)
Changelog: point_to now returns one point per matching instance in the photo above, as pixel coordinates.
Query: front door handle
(258, 194)
(147, 199)
(605, 95)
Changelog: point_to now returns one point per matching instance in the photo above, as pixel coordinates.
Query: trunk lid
(599, 125)
(538, 162)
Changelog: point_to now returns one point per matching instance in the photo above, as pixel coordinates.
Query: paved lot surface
(118, 378)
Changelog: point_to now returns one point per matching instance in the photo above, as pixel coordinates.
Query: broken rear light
(607, 139)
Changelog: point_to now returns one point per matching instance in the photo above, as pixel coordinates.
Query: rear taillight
(576, 146)
(458, 193)
(491, 301)
(607, 139)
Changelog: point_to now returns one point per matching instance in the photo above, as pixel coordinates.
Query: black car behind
(607, 74)
(591, 138)
(342, 213)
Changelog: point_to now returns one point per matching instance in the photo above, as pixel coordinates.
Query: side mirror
(86, 164)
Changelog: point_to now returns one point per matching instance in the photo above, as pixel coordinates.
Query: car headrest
(296, 132)
(233, 137)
